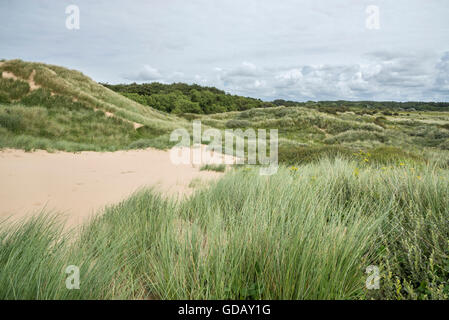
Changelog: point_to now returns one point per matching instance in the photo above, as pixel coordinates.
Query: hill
(380, 137)
(49, 107)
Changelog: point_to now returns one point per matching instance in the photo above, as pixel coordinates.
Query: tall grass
(307, 232)
(80, 113)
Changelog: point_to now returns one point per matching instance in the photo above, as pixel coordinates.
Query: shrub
(238, 123)
(356, 135)
(299, 155)
(380, 121)
(213, 167)
(13, 89)
(11, 121)
(392, 156)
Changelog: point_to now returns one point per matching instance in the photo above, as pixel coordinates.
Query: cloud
(382, 76)
(298, 50)
(147, 73)
(442, 76)
(246, 69)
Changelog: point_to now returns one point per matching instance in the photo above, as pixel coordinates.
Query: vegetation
(307, 134)
(308, 232)
(361, 184)
(181, 98)
(71, 112)
(68, 111)
(214, 167)
(389, 107)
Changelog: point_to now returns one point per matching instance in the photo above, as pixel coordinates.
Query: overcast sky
(298, 50)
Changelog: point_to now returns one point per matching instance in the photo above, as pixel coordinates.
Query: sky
(269, 49)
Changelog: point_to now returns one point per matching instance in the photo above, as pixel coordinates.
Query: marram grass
(307, 232)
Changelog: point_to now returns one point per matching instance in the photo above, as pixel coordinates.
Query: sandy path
(79, 185)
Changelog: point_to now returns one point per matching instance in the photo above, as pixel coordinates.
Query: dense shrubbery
(12, 89)
(289, 154)
(356, 135)
(181, 98)
(387, 107)
(369, 107)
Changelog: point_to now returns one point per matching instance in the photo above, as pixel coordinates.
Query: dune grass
(307, 232)
(214, 167)
(358, 188)
(71, 112)
(309, 134)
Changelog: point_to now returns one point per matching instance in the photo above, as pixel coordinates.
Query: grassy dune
(71, 112)
(308, 232)
(306, 134)
(68, 111)
(357, 187)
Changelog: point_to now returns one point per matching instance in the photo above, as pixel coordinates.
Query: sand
(30, 80)
(79, 185)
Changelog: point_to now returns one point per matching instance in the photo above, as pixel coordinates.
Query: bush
(11, 121)
(40, 96)
(291, 155)
(392, 156)
(13, 89)
(356, 135)
(380, 121)
(238, 123)
(213, 167)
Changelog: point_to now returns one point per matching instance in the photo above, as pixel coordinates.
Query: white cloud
(147, 73)
(295, 49)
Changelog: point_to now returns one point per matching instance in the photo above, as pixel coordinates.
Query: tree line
(181, 98)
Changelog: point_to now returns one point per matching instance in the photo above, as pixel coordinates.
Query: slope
(50, 107)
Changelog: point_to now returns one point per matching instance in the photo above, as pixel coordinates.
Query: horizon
(304, 101)
(298, 51)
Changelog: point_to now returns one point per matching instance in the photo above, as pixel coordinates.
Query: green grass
(213, 167)
(69, 111)
(12, 90)
(308, 232)
(307, 134)
(358, 186)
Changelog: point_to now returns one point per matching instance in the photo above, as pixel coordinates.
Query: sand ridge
(80, 184)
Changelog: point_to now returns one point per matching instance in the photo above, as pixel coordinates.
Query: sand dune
(30, 80)
(79, 184)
